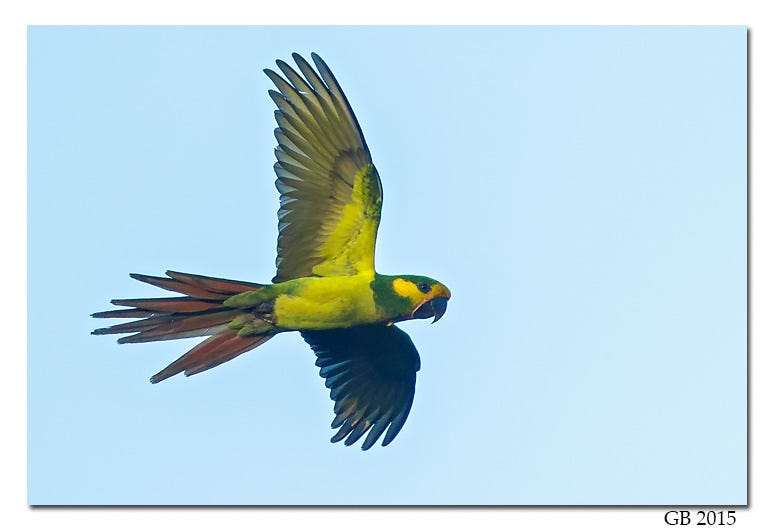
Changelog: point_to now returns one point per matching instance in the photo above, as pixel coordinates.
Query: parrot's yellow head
(428, 297)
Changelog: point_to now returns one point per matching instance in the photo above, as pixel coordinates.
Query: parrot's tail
(201, 312)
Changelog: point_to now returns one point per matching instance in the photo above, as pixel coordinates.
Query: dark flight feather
(371, 371)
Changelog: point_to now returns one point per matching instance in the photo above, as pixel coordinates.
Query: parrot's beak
(431, 308)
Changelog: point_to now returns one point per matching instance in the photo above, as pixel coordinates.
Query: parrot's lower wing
(371, 371)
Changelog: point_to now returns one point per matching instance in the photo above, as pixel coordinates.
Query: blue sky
(580, 190)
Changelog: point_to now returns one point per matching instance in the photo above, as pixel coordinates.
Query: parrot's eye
(424, 287)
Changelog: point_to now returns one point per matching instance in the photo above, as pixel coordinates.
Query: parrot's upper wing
(330, 193)
(371, 371)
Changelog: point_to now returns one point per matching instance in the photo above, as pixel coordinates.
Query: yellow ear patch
(406, 288)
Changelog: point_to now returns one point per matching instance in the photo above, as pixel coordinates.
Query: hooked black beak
(432, 308)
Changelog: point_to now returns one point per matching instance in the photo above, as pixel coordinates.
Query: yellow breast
(326, 303)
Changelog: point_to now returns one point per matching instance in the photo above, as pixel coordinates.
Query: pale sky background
(580, 190)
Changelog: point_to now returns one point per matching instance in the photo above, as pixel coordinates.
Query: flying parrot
(326, 287)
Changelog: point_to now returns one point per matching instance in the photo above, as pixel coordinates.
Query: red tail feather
(199, 313)
(216, 350)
